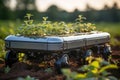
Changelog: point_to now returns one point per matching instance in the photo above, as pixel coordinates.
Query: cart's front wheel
(10, 58)
(87, 56)
(61, 63)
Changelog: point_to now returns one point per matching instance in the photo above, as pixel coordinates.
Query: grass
(6, 28)
(9, 27)
(113, 29)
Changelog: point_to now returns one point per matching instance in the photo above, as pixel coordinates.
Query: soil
(21, 69)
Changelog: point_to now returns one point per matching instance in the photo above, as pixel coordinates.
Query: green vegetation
(113, 29)
(10, 27)
(48, 28)
(27, 78)
(7, 69)
(6, 28)
(96, 70)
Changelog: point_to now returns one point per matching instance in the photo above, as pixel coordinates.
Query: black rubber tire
(106, 52)
(10, 58)
(62, 63)
(86, 54)
(106, 55)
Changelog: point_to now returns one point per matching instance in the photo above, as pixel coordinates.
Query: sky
(71, 5)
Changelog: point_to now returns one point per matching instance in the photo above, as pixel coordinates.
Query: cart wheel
(10, 58)
(106, 52)
(61, 63)
(88, 54)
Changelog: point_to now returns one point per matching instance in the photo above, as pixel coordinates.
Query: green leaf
(7, 69)
(90, 74)
(28, 16)
(48, 70)
(111, 66)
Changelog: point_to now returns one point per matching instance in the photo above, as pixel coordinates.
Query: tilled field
(22, 69)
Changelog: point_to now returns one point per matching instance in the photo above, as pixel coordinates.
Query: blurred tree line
(56, 14)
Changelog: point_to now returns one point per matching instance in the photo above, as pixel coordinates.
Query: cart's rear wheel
(106, 52)
(10, 58)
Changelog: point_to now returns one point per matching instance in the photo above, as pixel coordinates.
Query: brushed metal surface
(56, 42)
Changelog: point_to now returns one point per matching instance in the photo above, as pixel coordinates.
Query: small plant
(7, 69)
(46, 28)
(81, 26)
(116, 62)
(48, 70)
(96, 70)
(80, 19)
(27, 78)
(29, 21)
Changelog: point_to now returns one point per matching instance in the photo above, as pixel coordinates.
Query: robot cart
(58, 47)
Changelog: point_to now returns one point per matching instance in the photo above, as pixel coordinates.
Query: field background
(12, 16)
